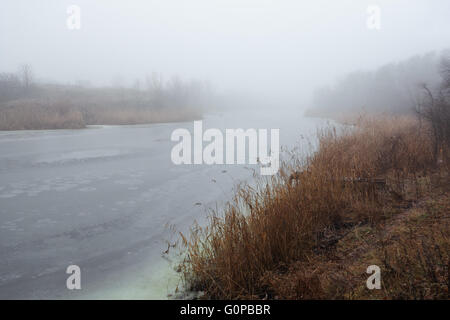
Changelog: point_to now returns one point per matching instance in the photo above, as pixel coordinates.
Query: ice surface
(103, 198)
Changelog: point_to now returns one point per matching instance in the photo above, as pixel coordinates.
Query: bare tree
(26, 76)
(445, 71)
(155, 86)
(435, 109)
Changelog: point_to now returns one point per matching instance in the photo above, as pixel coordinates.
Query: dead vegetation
(26, 105)
(30, 114)
(311, 231)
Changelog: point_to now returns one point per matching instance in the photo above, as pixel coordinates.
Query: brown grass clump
(279, 239)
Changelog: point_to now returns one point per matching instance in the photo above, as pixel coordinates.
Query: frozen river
(102, 198)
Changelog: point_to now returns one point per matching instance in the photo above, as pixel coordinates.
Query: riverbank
(373, 194)
(36, 114)
(40, 106)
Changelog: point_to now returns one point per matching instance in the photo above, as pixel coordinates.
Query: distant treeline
(28, 104)
(396, 88)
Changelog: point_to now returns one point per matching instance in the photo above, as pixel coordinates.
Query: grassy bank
(34, 114)
(52, 106)
(374, 194)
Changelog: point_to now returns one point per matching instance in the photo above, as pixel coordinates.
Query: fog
(87, 116)
(276, 50)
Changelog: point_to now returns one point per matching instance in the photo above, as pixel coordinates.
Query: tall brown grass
(358, 175)
(36, 114)
(31, 114)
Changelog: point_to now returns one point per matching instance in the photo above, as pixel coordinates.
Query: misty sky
(278, 47)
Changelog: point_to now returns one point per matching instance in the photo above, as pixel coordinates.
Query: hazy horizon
(275, 49)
